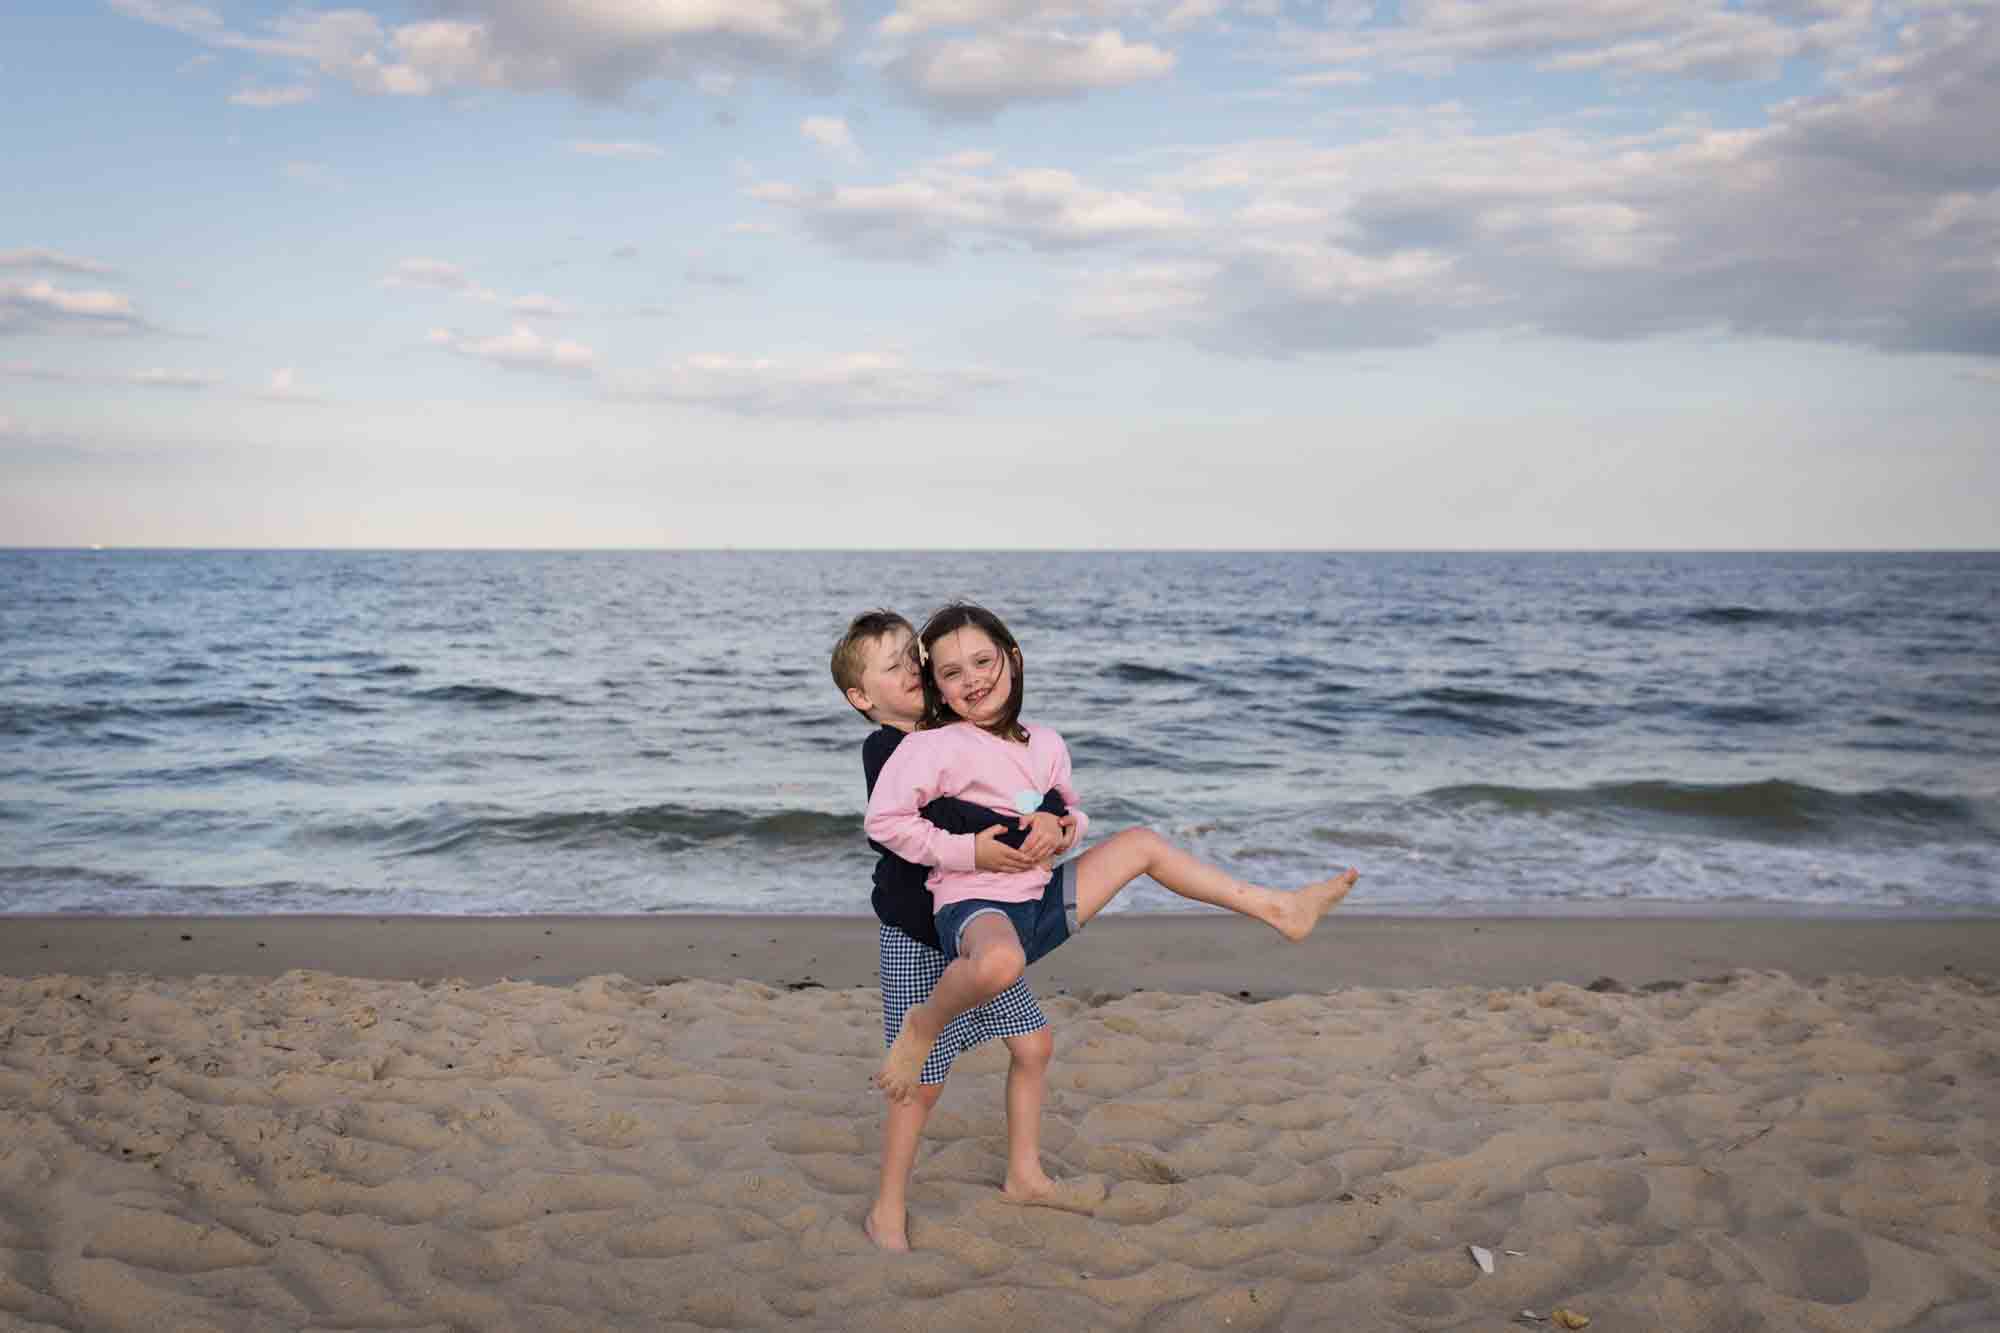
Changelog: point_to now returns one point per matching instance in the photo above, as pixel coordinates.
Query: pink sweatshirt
(974, 765)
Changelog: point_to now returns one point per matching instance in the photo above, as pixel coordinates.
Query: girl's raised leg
(1104, 871)
(990, 960)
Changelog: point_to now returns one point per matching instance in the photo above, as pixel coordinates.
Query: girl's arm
(895, 818)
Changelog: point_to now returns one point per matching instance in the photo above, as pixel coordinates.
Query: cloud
(537, 306)
(592, 48)
(1869, 215)
(831, 134)
(292, 95)
(195, 20)
(974, 78)
(912, 17)
(522, 349)
(705, 275)
(285, 386)
(1718, 40)
(41, 307)
(310, 173)
(619, 148)
(39, 257)
(862, 384)
(28, 370)
(158, 378)
(435, 274)
(153, 378)
(924, 215)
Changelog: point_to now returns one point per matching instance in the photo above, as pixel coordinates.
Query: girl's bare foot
(1028, 1186)
(1302, 910)
(903, 1067)
(887, 1233)
(1081, 1195)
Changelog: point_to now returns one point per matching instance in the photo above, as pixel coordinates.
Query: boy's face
(890, 691)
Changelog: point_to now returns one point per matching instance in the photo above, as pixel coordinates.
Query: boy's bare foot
(889, 1233)
(903, 1067)
(1302, 910)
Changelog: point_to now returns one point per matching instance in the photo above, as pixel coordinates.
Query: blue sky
(998, 273)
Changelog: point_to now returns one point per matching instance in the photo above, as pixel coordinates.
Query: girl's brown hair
(948, 620)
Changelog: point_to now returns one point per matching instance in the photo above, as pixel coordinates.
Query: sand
(1796, 1127)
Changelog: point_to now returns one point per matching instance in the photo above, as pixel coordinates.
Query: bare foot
(903, 1067)
(1074, 1196)
(889, 1234)
(1028, 1186)
(1302, 910)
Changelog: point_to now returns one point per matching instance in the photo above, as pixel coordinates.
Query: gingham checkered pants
(910, 969)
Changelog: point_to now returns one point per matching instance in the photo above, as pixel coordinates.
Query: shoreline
(1173, 952)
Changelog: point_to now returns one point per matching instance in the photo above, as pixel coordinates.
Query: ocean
(642, 732)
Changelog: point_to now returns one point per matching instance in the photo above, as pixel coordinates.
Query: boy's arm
(1059, 783)
(902, 787)
(956, 816)
(947, 812)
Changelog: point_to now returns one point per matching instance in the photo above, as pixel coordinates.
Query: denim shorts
(1042, 924)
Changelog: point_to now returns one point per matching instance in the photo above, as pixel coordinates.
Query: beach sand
(321, 1123)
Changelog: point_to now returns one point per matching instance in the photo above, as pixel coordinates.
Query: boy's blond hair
(851, 653)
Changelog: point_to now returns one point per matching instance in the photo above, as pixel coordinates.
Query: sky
(992, 274)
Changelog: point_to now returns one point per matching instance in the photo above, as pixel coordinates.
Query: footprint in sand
(1621, 1196)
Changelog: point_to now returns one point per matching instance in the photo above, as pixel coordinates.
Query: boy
(876, 671)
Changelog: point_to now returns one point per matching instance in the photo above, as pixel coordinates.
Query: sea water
(619, 732)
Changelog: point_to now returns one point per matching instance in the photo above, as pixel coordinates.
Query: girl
(991, 924)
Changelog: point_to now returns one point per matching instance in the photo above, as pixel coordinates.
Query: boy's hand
(1045, 836)
(1069, 832)
(989, 853)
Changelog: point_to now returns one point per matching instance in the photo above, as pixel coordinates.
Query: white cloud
(833, 135)
(912, 17)
(285, 386)
(160, 378)
(310, 173)
(707, 275)
(1710, 39)
(28, 370)
(521, 349)
(292, 95)
(618, 148)
(197, 20)
(922, 216)
(1870, 216)
(536, 306)
(153, 378)
(40, 257)
(861, 384)
(976, 77)
(43, 307)
(432, 273)
(594, 48)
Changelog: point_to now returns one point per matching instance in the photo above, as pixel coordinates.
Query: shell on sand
(318, 1151)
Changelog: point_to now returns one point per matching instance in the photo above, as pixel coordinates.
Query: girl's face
(972, 675)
